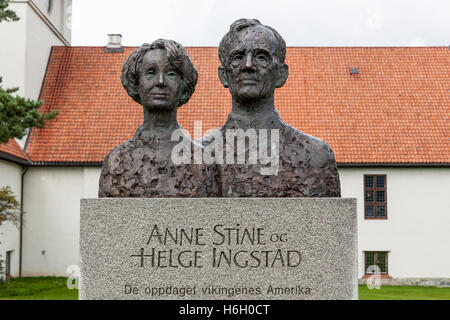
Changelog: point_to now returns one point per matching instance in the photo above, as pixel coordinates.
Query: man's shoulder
(210, 136)
(128, 146)
(318, 149)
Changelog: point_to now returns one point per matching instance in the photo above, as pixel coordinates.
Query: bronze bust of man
(161, 77)
(253, 65)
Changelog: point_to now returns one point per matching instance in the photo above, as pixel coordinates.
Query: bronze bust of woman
(161, 77)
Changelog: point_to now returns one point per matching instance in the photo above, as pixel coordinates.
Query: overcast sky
(300, 22)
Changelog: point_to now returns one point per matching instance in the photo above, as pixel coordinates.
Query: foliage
(9, 206)
(5, 13)
(18, 114)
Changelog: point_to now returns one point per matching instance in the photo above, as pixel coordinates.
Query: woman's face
(159, 83)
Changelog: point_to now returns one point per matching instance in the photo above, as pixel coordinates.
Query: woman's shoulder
(118, 156)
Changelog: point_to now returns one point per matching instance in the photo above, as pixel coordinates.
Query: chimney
(114, 43)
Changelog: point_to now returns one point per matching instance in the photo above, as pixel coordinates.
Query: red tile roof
(13, 149)
(396, 110)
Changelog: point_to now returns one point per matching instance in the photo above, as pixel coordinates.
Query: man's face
(159, 82)
(251, 70)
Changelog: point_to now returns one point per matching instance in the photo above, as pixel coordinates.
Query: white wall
(52, 202)
(40, 40)
(10, 175)
(25, 45)
(57, 15)
(416, 233)
(13, 49)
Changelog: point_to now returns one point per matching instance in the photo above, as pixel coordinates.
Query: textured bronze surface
(252, 66)
(161, 77)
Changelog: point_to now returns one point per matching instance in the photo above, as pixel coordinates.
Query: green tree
(5, 13)
(17, 114)
(9, 206)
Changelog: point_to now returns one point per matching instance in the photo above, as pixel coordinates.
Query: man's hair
(238, 26)
(176, 55)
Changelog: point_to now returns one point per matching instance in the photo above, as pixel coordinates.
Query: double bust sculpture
(161, 161)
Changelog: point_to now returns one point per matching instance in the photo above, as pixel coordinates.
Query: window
(48, 5)
(375, 206)
(375, 262)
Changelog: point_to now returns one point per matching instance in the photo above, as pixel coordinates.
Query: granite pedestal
(218, 248)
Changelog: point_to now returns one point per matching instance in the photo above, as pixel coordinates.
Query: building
(27, 42)
(25, 50)
(384, 111)
(13, 161)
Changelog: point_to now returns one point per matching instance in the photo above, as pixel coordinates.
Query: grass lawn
(404, 293)
(39, 288)
(53, 288)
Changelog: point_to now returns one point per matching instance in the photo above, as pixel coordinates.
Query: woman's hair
(176, 55)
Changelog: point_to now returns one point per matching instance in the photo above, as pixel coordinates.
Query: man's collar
(267, 120)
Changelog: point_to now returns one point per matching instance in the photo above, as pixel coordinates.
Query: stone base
(218, 248)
